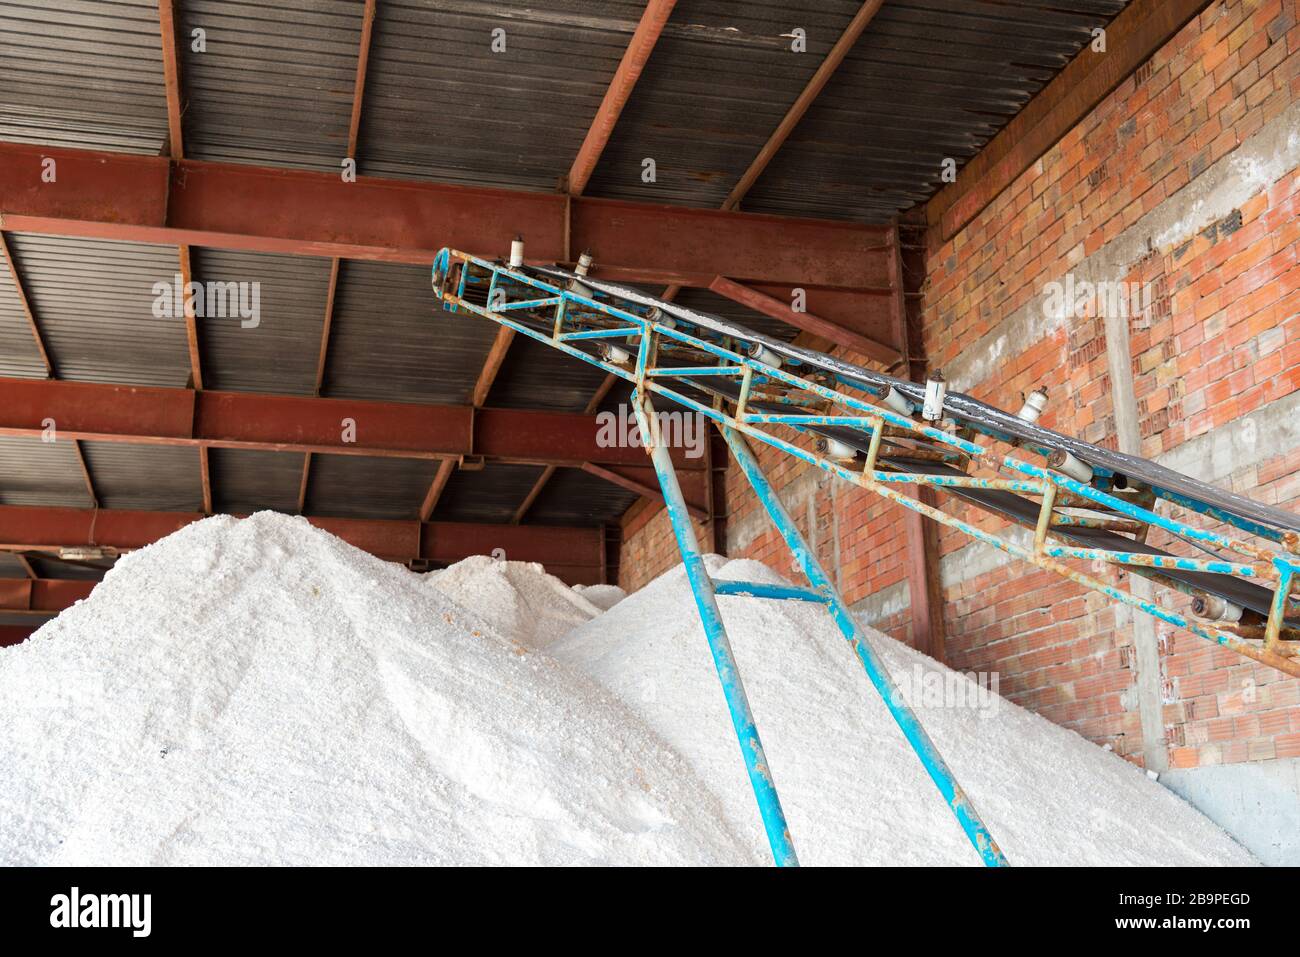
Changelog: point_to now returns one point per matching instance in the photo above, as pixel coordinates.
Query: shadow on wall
(1258, 804)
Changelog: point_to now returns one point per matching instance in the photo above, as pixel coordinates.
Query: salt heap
(603, 597)
(519, 599)
(853, 791)
(259, 692)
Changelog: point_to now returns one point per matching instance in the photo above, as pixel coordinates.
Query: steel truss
(854, 423)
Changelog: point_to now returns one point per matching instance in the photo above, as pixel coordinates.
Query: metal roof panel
(34, 472)
(390, 341)
(162, 478)
(250, 480)
(275, 83)
(368, 486)
(84, 74)
(93, 300)
(441, 105)
(277, 350)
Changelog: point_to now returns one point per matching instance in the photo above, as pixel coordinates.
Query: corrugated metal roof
(573, 497)
(33, 472)
(159, 477)
(441, 105)
(275, 83)
(250, 480)
(83, 74)
(18, 353)
(357, 486)
(48, 566)
(387, 342)
(94, 302)
(928, 80)
(719, 81)
(490, 494)
(535, 376)
(279, 352)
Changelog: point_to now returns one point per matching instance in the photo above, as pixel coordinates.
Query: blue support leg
(742, 719)
(931, 759)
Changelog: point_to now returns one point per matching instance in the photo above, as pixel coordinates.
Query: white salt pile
(519, 599)
(258, 691)
(603, 597)
(853, 791)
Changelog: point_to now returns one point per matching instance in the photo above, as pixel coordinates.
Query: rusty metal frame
(171, 62)
(156, 415)
(568, 551)
(32, 324)
(888, 356)
(653, 20)
(577, 317)
(758, 409)
(354, 135)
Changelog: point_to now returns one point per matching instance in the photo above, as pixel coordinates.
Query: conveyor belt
(1024, 512)
(709, 366)
(693, 357)
(1243, 512)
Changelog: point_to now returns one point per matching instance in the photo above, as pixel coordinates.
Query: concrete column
(1146, 644)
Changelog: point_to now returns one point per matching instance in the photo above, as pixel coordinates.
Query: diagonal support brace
(931, 759)
(742, 719)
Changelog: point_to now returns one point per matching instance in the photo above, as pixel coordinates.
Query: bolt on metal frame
(747, 399)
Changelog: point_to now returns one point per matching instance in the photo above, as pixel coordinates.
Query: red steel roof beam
(436, 488)
(42, 594)
(638, 51)
(303, 212)
(354, 133)
(32, 528)
(640, 483)
(151, 415)
(14, 634)
(30, 316)
(805, 321)
(171, 58)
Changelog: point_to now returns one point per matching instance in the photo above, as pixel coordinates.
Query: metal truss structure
(1078, 504)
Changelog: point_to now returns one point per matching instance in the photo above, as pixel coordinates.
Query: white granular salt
(519, 599)
(603, 597)
(258, 692)
(853, 791)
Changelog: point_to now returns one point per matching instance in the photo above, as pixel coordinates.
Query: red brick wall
(649, 548)
(858, 535)
(1221, 340)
